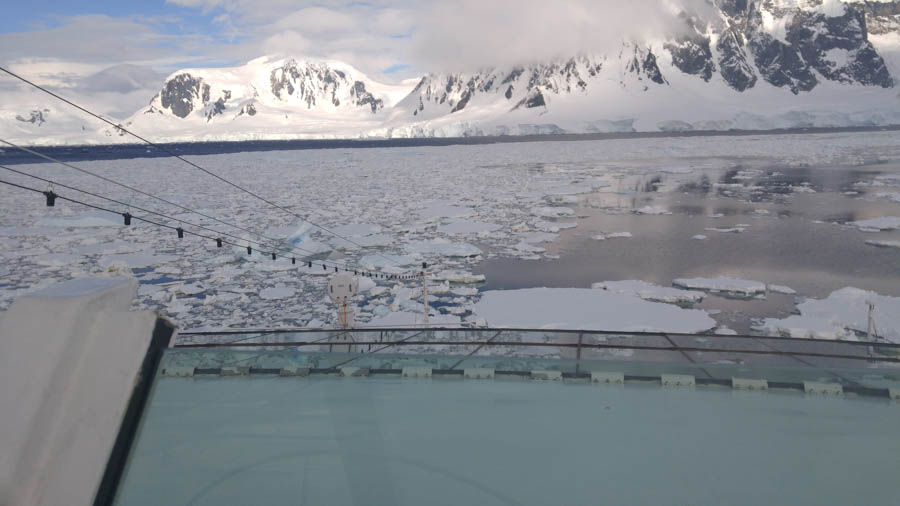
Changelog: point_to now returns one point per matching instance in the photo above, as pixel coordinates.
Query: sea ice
(884, 244)
(279, 291)
(579, 308)
(553, 212)
(467, 227)
(613, 235)
(137, 260)
(781, 289)
(461, 277)
(652, 210)
(842, 315)
(878, 224)
(651, 292)
(88, 219)
(699, 237)
(443, 247)
(740, 287)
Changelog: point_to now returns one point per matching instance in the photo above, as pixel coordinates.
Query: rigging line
(162, 225)
(139, 218)
(179, 157)
(260, 244)
(136, 190)
(184, 208)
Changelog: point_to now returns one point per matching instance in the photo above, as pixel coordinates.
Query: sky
(116, 54)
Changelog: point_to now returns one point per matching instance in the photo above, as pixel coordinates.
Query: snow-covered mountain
(734, 64)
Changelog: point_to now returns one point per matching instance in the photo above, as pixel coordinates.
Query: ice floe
(726, 285)
(651, 292)
(88, 219)
(878, 224)
(842, 315)
(612, 235)
(884, 244)
(443, 247)
(279, 291)
(580, 308)
(467, 227)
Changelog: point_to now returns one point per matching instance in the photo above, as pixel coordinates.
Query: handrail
(555, 331)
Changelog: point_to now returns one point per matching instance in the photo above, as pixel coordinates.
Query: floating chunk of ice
(443, 247)
(552, 212)
(613, 235)
(443, 210)
(405, 318)
(842, 315)
(878, 224)
(279, 291)
(579, 308)
(781, 289)
(652, 210)
(381, 261)
(732, 230)
(458, 277)
(88, 219)
(651, 292)
(57, 259)
(699, 237)
(884, 244)
(740, 287)
(136, 260)
(467, 227)
(356, 229)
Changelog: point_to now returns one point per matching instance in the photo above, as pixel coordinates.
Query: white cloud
(462, 34)
(413, 35)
